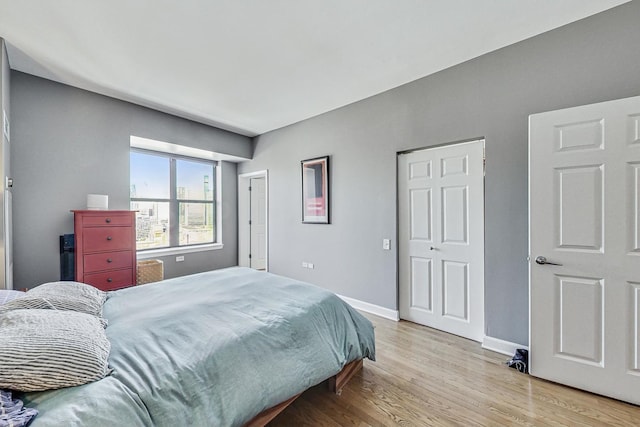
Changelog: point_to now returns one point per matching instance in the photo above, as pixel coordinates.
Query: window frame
(174, 206)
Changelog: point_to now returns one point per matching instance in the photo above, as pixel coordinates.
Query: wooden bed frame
(335, 383)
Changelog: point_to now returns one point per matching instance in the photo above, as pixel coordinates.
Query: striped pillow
(49, 349)
(71, 296)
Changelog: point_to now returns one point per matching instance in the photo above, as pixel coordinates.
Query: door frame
(244, 213)
(398, 233)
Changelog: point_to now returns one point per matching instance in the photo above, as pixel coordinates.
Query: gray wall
(592, 60)
(68, 142)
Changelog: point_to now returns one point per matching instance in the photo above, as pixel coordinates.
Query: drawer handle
(109, 238)
(109, 260)
(109, 280)
(108, 220)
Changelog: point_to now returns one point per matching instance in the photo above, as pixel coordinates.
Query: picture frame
(315, 190)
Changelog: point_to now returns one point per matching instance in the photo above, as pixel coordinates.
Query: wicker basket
(150, 270)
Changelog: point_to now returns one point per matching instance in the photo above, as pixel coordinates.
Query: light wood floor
(426, 377)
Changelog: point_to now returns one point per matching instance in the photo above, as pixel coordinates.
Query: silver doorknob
(543, 260)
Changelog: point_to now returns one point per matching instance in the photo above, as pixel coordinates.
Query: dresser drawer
(107, 220)
(110, 280)
(107, 261)
(97, 239)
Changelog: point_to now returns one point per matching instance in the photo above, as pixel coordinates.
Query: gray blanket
(211, 349)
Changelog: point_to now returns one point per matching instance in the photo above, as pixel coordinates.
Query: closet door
(441, 240)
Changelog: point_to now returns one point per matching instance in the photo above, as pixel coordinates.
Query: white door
(257, 223)
(584, 191)
(441, 238)
(253, 220)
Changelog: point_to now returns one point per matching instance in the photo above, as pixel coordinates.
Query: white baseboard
(494, 344)
(501, 346)
(387, 313)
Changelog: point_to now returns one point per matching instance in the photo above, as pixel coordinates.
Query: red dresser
(105, 248)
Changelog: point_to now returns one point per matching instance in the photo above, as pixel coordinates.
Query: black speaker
(67, 257)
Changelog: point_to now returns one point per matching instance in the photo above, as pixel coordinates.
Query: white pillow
(7, 295)
(49, 349)
(71, 296)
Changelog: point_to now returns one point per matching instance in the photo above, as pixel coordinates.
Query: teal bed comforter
(211, 349)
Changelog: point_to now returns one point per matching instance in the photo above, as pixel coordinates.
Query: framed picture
(315, 190)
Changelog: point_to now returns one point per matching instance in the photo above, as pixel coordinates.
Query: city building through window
(174, 198)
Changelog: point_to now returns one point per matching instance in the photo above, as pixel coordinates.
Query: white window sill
(154, 253)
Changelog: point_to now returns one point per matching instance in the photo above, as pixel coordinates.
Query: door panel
(455, 289)
(420, 214)
(258, 226)
(580, 207)
(580, 136)
(634, 214)
(419, 170)
(441, 267)
(421, 284)
(580, 326)
(633, 128)
(454, 215)
(456, 165)
(634, 303)
(583, 193)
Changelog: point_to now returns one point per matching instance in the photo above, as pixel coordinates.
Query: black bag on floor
(520, 361)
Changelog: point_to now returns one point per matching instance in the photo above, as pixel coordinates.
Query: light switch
(386, 244)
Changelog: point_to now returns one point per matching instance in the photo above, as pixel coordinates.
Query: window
(175, 200)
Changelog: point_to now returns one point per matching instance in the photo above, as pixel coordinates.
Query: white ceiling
(252, 66)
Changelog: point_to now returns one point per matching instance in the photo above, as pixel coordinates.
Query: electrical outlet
(310, 265)
(386, 244)
(305, 265)
(180, 258)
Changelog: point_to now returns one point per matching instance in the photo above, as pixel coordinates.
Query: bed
(230, 347)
